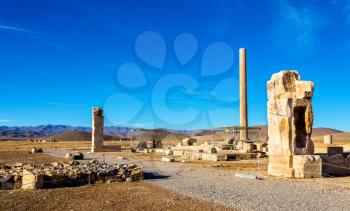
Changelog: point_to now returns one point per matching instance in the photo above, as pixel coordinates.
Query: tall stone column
(97, 129)
(243, 94)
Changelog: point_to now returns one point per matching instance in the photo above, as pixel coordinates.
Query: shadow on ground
(154, 176)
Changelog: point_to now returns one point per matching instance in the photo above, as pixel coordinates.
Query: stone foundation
(307, 166)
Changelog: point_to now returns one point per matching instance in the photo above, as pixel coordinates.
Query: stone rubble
(168, 159)
(37, 150)
(66, 174)
(74, 156)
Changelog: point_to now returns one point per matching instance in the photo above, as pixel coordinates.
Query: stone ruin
(97, 129)
(290, 120)
(97, 133)
(73, 173)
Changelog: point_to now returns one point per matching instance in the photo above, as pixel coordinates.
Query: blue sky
(167, 63)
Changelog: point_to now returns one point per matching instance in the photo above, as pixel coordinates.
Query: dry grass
(52, 146)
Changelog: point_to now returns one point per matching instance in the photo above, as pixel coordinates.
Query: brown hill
(78, 136)
(157, 134)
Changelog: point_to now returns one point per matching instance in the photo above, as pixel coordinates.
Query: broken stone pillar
(290, 120)
(97, 129)
(243, 94)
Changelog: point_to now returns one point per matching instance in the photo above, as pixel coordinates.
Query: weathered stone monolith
(97, 129)
(243, 94)
(327, 139)
(290, 119)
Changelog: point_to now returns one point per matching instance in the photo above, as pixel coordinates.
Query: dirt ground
(116, 196)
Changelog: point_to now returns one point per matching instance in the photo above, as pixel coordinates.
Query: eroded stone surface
(97, 129)
(290, 119)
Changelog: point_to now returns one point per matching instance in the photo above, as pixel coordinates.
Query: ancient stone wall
(290, 120)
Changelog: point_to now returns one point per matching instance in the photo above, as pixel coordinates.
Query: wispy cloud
(31, 33)
(66, 104)
(13, 28)
(296, 26)
(6, 120)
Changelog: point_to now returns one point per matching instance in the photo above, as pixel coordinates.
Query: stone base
(307, 166)
(214, 157)
(280, 166)
(298, 166)
(109, 148)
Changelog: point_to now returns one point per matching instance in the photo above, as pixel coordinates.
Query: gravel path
(245, 194)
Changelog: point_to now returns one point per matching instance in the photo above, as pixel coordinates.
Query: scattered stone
(73, 173)
(247, 176)
(75, 156)
(115, 180)
(18, 165)
(6, 178)
(32, 181)
(139, 145)
(168, 152)
(212, 150)
(37, 150)
(189, 141)
(168, 159)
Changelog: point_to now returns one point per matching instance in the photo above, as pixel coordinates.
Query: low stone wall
(214, 157)
(58, 174)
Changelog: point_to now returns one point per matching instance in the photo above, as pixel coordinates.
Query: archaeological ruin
(97, 136)
(66, 174)
(243, 94)
(97, 129)
(290, 120)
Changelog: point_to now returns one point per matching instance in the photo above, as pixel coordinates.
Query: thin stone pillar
(97, 129)
(243, 94)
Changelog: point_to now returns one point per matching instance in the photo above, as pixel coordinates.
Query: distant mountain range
(41, 131)
(25, 132)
